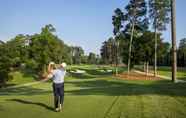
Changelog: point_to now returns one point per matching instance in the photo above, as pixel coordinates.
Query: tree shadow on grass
(108, 87)
(1, 108)
(31, 103)
(8, 85)
(25, 90)
(182, 78)
(127, 88)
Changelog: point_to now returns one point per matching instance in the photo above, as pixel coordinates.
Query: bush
(31, 64)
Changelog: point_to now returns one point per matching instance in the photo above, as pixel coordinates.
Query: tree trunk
(130, 47)
(117, 56)
(173, 27)
(183, 59)
(147, 71)
(144, 67)
(155, 51)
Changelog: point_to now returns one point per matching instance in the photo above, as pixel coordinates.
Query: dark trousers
(58, 90)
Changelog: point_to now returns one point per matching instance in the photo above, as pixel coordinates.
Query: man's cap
(51, 63)
(63, 65)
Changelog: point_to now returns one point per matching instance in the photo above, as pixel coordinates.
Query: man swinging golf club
(57, 76)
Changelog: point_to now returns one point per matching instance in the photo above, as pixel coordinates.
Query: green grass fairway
(101, 97)
(166, 71)
(20, 78)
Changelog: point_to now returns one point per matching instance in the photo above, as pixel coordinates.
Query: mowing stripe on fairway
(111, 106)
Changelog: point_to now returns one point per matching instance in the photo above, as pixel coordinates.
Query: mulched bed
(136, 76)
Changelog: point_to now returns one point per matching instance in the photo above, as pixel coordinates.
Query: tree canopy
(35, 51)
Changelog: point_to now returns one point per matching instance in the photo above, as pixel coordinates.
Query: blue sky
(86, 23)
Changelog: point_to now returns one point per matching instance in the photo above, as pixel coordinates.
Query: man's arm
(49, 72)
(50, 67)
(48, 77)
(45, 79)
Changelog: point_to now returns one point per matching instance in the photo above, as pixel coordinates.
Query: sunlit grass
(103, 96)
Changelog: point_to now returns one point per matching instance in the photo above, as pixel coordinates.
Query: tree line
(137, 33)
(143, 49)
(34, 52)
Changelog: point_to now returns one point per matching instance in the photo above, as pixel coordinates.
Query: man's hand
(49, 74)
(51, 63)
(47, 77)
(50, 68)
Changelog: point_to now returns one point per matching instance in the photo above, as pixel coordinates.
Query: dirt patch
(136, 76)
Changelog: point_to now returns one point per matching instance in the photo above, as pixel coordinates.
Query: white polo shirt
(58, 75)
